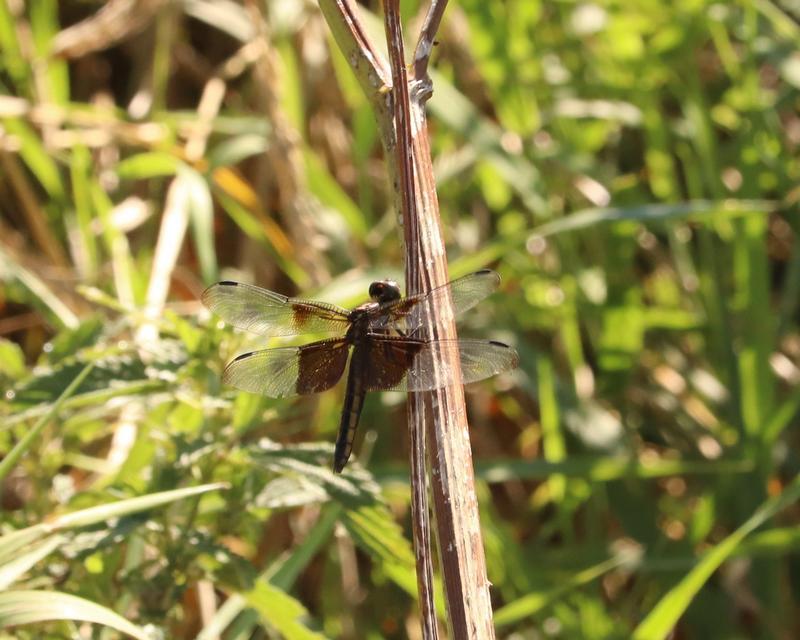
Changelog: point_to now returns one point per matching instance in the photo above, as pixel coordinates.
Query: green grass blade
(553, 444)
(81, 178)
(104, 512)
(322, 184)
(648, 213)
(35, 155)
(11, 543)
(40, 292)
(22, 562)
(663, 618)
(12, 60)
(13, 456)
(604, 469)
(26, 607)
(44, 26)
(532, 603)
(201, 212)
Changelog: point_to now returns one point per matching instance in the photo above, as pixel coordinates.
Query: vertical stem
(463, 561)
(404, 133)
(452, 480)
(406, 192)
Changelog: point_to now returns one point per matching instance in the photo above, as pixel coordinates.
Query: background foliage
(629, 168)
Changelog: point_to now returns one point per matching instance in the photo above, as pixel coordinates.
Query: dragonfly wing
(289, 371)
(402, 364)
(407, 314)
(268, 313)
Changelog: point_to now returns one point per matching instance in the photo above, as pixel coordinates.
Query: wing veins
(429, 362)
(265, 312)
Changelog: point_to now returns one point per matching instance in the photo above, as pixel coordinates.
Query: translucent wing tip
(505, 358)
(209, 296)
(511, 354)
(489, 276)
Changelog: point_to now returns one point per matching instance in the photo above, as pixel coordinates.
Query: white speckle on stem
(424, 49)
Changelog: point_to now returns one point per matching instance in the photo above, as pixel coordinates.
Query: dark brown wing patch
(320, 365)
(289, 371)
(389, 361)
(421, 365)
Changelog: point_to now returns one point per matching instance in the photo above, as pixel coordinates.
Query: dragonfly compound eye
(384, 291)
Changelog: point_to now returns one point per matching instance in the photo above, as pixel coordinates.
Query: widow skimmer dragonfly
(389, 349)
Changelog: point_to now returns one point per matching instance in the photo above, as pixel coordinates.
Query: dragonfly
(385, 341)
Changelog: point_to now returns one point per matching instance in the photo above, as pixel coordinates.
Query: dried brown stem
(425, 43)
(442, 412)
(401, 108)
(367, 64)
(114, 22)
(463, 563)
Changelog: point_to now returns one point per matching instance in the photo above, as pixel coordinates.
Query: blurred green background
(631, 171)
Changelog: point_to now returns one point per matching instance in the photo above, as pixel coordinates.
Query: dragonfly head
(384, 291)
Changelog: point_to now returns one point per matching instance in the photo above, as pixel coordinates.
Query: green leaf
(773, 542)
(111, 369)
(69, 341)
(80, 226)
(12, 360)
(26, 607)
(150, 164)
(12, 58)
(622, 337)
(364, 515)
(233, 150)
(282, 574)
(281, 612)
(11, 543)
(88, 399)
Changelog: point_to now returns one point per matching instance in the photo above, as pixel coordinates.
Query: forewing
(407, 314)
(289, 371)
(269, 313)
(400, 364)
